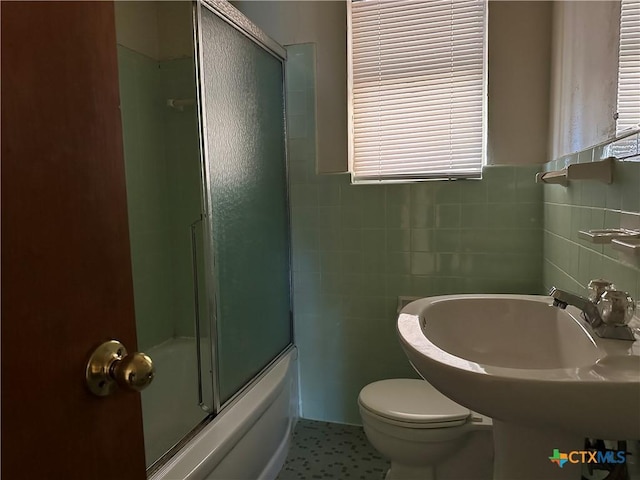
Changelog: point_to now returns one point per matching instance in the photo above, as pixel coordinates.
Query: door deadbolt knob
(110, 366)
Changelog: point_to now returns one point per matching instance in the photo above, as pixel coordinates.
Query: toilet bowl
(424, 434)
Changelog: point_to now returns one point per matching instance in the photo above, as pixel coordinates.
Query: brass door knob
(110, 365)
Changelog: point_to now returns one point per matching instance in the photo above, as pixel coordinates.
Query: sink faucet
(607, 310)
(562, 299)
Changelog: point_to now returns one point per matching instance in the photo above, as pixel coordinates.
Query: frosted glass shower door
(242, 92)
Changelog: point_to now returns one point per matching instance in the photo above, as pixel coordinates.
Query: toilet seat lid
(411, 401)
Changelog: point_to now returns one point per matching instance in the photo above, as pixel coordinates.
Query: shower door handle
(110, 366)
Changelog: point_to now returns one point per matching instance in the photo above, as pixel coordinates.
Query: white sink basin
(506, 332)
(525, 363)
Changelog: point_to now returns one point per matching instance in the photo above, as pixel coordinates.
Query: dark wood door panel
(66, 273)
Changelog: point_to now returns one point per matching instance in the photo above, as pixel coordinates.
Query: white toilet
(426, 435)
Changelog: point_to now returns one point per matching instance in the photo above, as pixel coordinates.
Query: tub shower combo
(205, 154)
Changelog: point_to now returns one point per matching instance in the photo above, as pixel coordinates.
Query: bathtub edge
(199, 458)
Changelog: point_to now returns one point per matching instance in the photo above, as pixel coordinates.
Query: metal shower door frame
(229, 14)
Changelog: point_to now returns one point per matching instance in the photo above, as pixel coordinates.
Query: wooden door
(66, 273)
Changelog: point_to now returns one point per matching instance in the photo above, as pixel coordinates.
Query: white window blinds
(417, 89)
(629, 66)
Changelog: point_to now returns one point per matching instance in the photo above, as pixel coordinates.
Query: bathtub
(249, 439)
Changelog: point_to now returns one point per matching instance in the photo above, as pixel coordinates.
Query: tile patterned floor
(321, 450)
(330, 450)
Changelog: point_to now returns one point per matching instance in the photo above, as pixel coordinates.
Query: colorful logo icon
(559, 458)
(588, 456)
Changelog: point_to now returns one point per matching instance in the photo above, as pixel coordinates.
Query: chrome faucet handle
(616, 307)
(597, 287)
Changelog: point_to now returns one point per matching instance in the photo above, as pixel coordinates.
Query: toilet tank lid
(410, 400)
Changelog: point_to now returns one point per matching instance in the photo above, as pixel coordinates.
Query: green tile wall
(163, 191)
(356, 248)
(570, 262)
(183, 168)
(147, 180)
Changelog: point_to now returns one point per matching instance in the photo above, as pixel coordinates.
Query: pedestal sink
(540, 372)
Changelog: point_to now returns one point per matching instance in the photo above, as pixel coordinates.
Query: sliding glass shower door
(204, 148)
(242, 97)
(162, 162)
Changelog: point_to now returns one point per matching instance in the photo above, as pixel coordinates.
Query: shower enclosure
(202, 103)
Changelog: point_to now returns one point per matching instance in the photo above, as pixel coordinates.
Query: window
(417, 89)
(629, 67)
